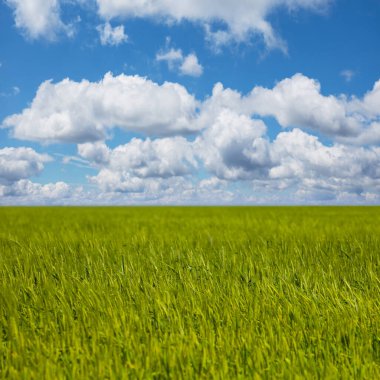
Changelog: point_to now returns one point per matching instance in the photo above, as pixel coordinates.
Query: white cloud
(212, 183)
(173, 57)
(110, 182)
(17, 165)
(26, 192)
(234, 148)
(128, 166)
(242, 18)
(325, 173)
(112, 36)
(20, 163)
(298, 102)
(369, 106)
(185, 65)
(97, 153)
(190, 66)
(231, 142)
(39, 18)
(221, 99)
(303, 156)
(81, 112)
(33, 190)
(85, 111)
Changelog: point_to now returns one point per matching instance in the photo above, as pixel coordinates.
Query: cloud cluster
(39, 18)
(236, 149)
(299, 102)
(112, 36)
(84, 112)
(239, 18)
(229, 143)
(185, 65)
(20, 163)
(81, 112)
(17, 165)
(31, 190)
(303, 159)
(130, 167)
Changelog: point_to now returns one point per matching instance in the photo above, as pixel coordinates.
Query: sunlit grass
(192, 293)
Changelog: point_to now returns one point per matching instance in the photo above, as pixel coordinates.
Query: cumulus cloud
(133, 166)
(39, 18)
(20, 163)
(26, 192)
(191, 66)
(172, 56)
(310, 171)
(32, 190)
(241, 18)
(236, 148)
(302, 156)
(185, 65)
(97, 153)
(17, 165)
(233, 147)
(81, 112)
(85, 111)
(112, 36)
(299, 102)
(299, 163)
(369, 106)
(230, 142)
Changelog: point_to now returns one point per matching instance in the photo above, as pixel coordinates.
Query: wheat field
(190, 293)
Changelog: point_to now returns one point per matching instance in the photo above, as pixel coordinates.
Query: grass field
(190, 293)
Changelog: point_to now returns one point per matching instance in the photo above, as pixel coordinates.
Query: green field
(190, 293)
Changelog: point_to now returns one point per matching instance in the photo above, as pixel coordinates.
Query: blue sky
(192, 102)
